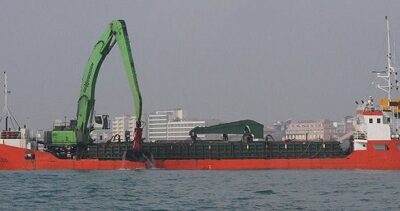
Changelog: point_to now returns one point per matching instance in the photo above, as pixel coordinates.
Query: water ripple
(265, 192)
(199, 190)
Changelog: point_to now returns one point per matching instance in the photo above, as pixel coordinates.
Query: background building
(344, 126)
(160, 125)
(123, 123)
(277, 130)
(170, 125)
(311, 130)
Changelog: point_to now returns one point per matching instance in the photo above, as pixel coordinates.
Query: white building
(344, 126)
(123, 123)
(310, 130)
(170, 125)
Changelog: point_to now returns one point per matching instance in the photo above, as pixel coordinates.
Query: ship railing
(360, 135)
(10, 135)
(395, 136)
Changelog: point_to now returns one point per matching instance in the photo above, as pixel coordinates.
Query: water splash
(149, 161)
(123, 162)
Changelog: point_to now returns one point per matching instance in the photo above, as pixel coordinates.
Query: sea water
(200, 190)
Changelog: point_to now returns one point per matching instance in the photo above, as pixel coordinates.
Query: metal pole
(389, 57)
(5, 93)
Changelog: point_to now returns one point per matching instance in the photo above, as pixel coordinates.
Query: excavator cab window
(101, 122)
(98, 119)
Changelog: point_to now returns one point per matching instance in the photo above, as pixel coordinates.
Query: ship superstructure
(12, 134)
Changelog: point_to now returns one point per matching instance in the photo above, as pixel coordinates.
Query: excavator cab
(101, 122)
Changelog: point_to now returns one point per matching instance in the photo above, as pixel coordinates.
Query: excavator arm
(115, 33)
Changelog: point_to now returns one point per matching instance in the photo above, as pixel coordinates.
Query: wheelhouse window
(370, 120)
(378, 120)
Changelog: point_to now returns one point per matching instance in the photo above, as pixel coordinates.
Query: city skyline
(165, 123)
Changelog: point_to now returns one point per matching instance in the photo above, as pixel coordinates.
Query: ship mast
(389, 75)
(6, 114)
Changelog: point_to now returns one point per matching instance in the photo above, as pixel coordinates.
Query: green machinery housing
(245, 127)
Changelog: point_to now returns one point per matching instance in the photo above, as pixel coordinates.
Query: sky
(228, 60)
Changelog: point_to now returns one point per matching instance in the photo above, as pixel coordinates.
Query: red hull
(368, 159)
(13, 158)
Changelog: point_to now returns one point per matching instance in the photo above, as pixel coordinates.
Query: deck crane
(116, 32)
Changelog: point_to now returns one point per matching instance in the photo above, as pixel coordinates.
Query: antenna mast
(6, 92)
(6, 111)
(389, 75)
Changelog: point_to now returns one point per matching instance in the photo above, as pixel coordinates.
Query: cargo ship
(374, 146)
(375, 143)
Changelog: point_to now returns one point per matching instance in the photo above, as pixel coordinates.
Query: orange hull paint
(13, 158)
(369, 159)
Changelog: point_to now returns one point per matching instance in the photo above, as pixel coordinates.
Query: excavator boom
(115, 33)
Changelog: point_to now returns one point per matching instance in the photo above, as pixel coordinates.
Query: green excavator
(79, 132)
